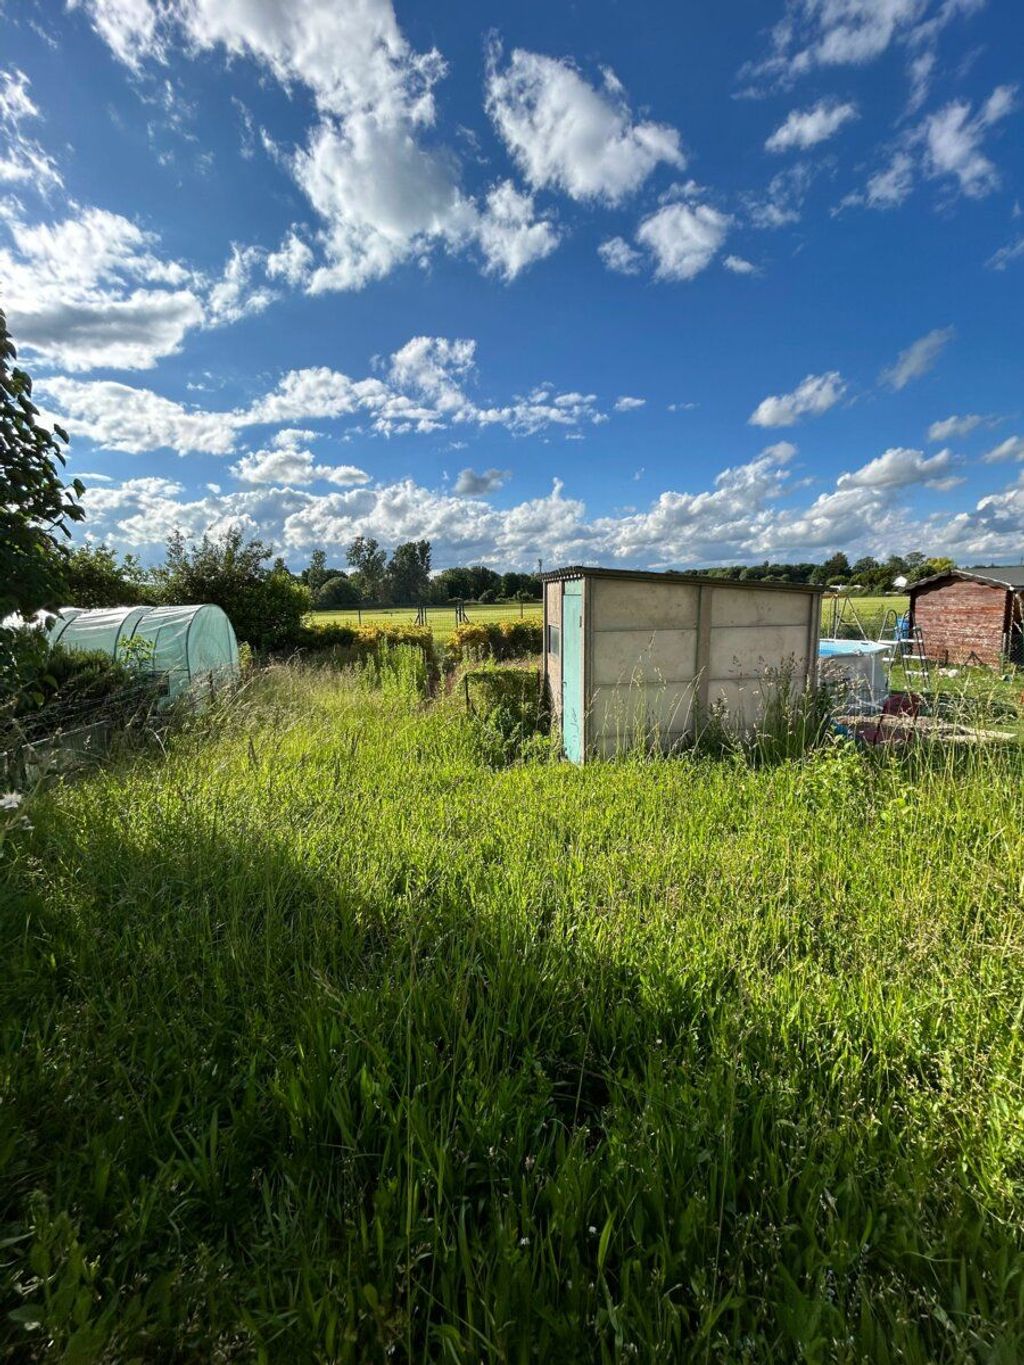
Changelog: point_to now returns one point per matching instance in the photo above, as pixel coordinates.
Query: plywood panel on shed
(746, 651)
(749, 607)
(744, 700)
(638, 604)
(621, 717)
(654, 656)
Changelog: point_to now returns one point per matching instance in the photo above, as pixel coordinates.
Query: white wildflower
(11, 800)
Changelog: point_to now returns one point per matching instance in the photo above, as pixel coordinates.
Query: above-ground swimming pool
(831, 649)
(860, 666)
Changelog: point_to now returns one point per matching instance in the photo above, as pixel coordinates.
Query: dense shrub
(508, 711)
(336, 591)
(514, 689)
(356, 644)
(400, 671)
(95, 578)
(78, 688)
(265, 606)
(398, 633)
(319, 639)
(22, 668)
(500, 640)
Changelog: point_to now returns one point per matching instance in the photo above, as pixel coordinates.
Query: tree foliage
(369, 564)
(95, 578)
(409, 572)
(336, 592)
(36, 505)
(266, 606)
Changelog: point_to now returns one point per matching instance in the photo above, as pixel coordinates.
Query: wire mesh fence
(443, 617)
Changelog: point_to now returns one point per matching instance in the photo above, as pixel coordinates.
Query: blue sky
(662, 285)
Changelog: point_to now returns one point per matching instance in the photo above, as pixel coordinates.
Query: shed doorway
(572, 670)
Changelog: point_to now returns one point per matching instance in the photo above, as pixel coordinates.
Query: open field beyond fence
(438, 618)
(329, 1032)
(870, 610)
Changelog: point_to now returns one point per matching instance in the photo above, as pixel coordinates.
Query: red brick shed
(971, 615)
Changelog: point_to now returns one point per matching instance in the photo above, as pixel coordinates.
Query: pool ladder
(907, 647)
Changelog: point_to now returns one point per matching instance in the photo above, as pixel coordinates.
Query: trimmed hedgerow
(516, 639)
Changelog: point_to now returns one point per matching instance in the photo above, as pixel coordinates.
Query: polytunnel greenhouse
(189, 644)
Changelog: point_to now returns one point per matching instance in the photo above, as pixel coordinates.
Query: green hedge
(516, 639)
(498, 640)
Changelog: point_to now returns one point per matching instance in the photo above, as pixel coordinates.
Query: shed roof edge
(573, 571)
(966, 576)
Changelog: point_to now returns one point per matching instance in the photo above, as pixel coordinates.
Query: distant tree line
(867, 574)
(371, 579)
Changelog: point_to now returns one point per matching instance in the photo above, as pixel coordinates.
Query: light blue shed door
(572, 670)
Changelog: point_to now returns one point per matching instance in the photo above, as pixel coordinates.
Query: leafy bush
(265, 606)
(397, 633)
(507, 708)
(515, 690)
(94, 578)
(74, 676)
(336, 591)
(36, 506)
(362, 645)
(396, 670)
(500, 640)
(320, 639)
(23, 656)
(74, 689)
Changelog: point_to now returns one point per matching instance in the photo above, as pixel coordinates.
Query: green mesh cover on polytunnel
(191, 645)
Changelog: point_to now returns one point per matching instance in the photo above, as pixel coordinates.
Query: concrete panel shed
(631, 655)
(971, 615)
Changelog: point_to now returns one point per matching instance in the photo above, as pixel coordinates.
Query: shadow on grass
(254, 1109)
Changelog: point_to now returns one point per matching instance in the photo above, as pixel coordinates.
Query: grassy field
(439, 618)
(329, 1036)
(869, 610)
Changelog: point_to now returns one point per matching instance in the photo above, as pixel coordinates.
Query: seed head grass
(329, 1035)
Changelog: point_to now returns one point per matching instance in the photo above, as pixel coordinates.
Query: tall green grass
(325, 1038)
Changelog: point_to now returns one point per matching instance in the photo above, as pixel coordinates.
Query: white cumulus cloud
(899, 467)
(619, 256)
(918, 358)
(425, 390)
(683, 239)
(815, 394)
(805, 128)
(289, 464)
(386, 195)
(951, 427)
(566, 134)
